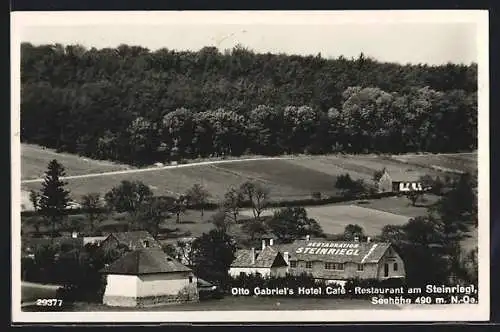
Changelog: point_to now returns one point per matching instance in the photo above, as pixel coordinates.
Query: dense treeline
(137, 106)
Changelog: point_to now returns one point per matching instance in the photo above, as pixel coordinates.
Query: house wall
(385, 184)
(390, 258)
(150, 290)
(235, 271)
(121, 290)
(162, 284)
(318, 270)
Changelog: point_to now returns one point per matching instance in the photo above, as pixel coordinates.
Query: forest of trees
(137, 106)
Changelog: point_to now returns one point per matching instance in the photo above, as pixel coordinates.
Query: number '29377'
(49, 302)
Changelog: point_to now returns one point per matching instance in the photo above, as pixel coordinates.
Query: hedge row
(247, 204)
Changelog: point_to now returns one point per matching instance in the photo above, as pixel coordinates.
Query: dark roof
(329, 251)
(135, 239)
(32, 243)
(145, 261)
(268, 257)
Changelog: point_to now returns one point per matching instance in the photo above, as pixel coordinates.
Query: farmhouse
(132, 240)
(267, 262)
(398, 182)
(337, 260)
(147, 277)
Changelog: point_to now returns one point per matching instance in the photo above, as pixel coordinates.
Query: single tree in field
(257, 195)
(344, 182)
(352, 231)
(179, 207)
(233, 199)
(378, 174)
(289, 224)
(54, 197)
(128, 196)
(198, 195)
(92, 205)
(152, 213)
(413, 196)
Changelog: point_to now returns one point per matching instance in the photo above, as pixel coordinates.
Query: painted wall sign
(325, 248)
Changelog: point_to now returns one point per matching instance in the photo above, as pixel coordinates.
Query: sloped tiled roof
(145, 261)
(330, 251)
(265, 258)
(135, 239)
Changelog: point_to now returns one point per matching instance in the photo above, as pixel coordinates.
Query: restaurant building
(338, 260)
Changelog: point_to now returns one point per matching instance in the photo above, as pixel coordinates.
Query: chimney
(286, 257)
(271, 242)
(308, 237)
(368, 239)
(263, 244)
(356, 239)
(74, 235)
(252, 254)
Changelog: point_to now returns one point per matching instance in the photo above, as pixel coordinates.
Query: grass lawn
(401, 205)
(304, 180)
(334, 218)
(34, 161)
(464, 162)
(235, 303)
(30, 292)
(286, 179)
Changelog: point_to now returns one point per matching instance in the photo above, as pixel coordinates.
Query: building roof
(135, 239)
(404, 176)
(265, 258)
(145, 261)
(335, 251)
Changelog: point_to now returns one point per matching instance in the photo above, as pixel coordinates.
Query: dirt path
(151, 169)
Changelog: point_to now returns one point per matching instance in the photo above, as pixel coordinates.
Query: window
(334, 266)
(190, 279)
(361, 267)
(309, 265)
(293, 264)
(242, 274)
(395, 266)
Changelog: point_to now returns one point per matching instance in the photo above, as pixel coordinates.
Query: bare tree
(257, 195)
(198, 195)
(232, 202)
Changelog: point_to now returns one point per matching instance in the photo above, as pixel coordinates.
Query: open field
(335, 217)
(287, 179)
(459, 162)
(235, 303)
(34, 161)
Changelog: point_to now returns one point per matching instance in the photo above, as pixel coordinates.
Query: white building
(267, 262)
(148, 277)
(342, 260)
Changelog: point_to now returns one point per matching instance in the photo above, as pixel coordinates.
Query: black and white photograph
(307, 166)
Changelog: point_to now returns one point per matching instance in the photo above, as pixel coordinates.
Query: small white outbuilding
(147, 277)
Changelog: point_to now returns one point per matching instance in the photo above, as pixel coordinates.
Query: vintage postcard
(250, 166)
